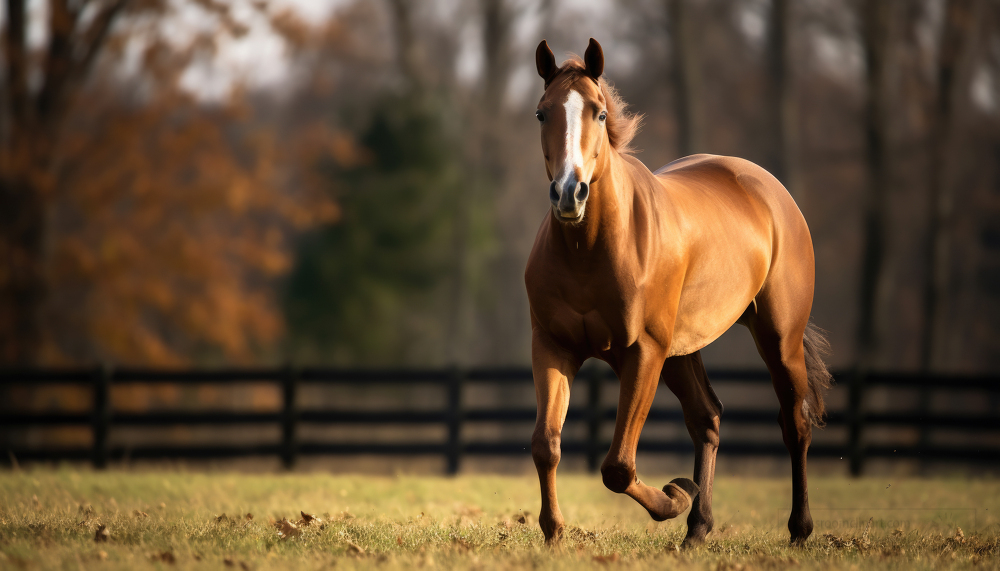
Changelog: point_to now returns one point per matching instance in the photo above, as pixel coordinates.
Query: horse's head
(573, 114)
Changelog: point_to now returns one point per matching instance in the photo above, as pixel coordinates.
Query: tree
(957, 31)
(139, 225)
(876, 39)
(30, 120)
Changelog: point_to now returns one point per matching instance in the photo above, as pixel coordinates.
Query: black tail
(816, 347)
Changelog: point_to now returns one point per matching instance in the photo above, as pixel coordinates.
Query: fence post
(855, 401)
(593, 417)
(454, 446)
(289, 417)
(101, 419)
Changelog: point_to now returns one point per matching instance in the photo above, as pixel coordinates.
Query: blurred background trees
(198, 182)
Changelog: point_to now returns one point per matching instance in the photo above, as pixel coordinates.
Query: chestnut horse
(642, 270)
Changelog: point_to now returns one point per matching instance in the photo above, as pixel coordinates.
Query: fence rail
(595, 415)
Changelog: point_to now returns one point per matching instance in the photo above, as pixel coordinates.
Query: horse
(642, 270)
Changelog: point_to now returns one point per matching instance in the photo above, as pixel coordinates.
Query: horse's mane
(622, 125)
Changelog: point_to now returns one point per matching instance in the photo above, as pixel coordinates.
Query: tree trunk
(876, 20)
(22, 276)
(958, 28)
(784, 161)
(687, 79)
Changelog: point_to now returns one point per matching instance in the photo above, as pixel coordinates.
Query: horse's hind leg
(686, 378)
(779, 338)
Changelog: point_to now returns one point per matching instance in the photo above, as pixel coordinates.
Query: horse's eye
(604, 115)
(540, 115)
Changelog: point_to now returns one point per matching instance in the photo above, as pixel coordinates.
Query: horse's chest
(594, 316)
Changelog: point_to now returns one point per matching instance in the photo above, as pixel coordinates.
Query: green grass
(48, 520)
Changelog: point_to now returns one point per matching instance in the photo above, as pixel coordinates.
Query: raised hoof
(688, 486)
(681, 493)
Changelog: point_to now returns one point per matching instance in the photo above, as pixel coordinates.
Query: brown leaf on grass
(102, 533)
(309, 519)
(399, 540)
(521, 519)
(138, 513)
(605, 559)
(354, 548)
(287, 529)
(249, 516)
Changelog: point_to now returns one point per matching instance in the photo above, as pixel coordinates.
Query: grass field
(173, 520)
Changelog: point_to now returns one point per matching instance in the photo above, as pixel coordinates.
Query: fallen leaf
(102, 533)
(308, 519)
(399, 540)
(521, 519)
(249, 516)
(287, 529)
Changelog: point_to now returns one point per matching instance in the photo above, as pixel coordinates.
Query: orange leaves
(172, 224)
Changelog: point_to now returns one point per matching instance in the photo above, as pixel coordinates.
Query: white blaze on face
(574, 132)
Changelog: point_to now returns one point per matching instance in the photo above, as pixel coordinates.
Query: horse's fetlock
(618, 476)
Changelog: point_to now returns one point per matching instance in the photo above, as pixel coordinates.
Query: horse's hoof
(687, 486)
(683, 492)
(692, 541)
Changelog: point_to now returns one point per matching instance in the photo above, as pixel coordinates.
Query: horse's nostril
(583, 192)
(553, 193)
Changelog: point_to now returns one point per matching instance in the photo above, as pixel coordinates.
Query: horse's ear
(594, 58)
(545, 62)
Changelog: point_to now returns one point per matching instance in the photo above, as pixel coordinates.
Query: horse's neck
(606, 227)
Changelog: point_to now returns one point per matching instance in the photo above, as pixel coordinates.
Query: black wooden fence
(974, 429)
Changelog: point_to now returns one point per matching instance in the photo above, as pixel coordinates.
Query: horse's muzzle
(569, 201)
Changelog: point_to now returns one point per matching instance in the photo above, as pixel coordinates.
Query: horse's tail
(816, 347)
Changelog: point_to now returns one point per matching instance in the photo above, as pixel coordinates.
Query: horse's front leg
(553, 371)
(639, 376)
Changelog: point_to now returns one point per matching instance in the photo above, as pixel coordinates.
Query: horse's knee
(618, 476)
(545, 449)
